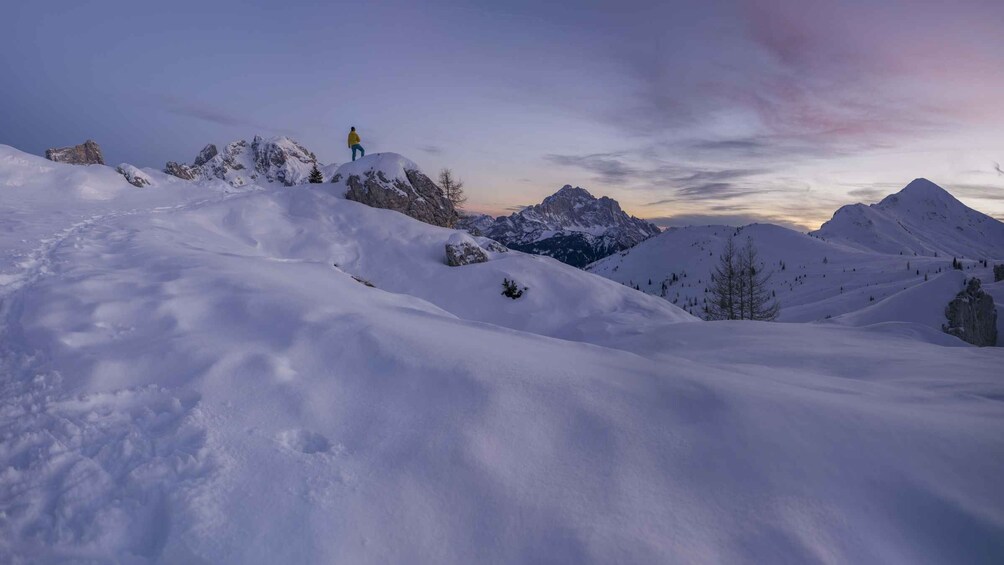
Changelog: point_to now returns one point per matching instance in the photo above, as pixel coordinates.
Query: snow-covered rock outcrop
(571, 225)
(134, 175)
(264, 160)
(972, 316)
(389, 180)
(461, 249)
(87, 153)
(922, 219)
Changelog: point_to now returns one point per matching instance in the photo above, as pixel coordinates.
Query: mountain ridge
(571, 225)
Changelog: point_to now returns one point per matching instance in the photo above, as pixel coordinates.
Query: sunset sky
(685, 112)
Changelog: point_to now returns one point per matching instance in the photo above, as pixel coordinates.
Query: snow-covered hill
(264, 160)
(813, 279)
(203, 376)
(571, 225)
(922, 219)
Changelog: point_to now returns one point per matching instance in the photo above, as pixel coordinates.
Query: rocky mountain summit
(921, 219)
(571, 225)
(87, 153)
(389, 180)
(276, 160)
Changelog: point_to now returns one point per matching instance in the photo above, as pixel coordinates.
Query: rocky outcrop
(87, 153)
(972, 316)
(571, 225)
(180, 170)
(270, 160)
(461, 249)
(998, 273)
(204, 156)
(135, 176)
(388, 180)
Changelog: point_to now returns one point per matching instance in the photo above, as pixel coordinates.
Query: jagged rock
(278, 159)
(180, 170)
(972, 316)
(998, 273)
(388, 180)
(570, 225)
(135, 176)
(87, 153)
(461, 249)
(207, 153)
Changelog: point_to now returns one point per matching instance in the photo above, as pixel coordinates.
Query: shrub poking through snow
(512, 290)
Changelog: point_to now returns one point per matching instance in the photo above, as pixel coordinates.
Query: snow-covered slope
(571, 225)
(813, 278)
(199, 383)
(922, 219)
(264, 160)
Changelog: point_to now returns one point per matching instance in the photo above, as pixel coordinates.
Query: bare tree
(453, 188)
(724, 301)
(756, 302)
(740, 285)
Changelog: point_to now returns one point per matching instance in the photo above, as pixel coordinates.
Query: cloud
(213, 115)
(683, 220)
(869, 194)
(608, 167)
(431, 149)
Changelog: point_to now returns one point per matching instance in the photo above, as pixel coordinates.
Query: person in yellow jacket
(354, 144)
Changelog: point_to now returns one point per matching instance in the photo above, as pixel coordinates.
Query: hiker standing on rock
(354, 144)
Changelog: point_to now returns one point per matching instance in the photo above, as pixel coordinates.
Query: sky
(685, 112)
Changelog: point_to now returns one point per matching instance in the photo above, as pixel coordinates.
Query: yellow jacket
(353, 138)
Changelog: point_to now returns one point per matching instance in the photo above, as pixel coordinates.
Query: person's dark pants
(362, 152)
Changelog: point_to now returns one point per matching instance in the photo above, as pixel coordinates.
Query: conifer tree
(315, 175)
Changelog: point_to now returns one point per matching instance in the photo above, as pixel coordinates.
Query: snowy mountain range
(274, 160)
(921, 219)
(909, 240)
(194, 374)
(571, 225)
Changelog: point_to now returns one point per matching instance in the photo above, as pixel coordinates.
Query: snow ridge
(922, 219)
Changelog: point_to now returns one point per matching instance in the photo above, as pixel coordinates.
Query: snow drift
(211, 381)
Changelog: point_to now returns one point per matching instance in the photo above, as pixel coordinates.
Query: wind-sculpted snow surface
(210, 383)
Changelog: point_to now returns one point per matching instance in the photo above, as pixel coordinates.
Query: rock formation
(388, 180)
(87, 153)
(972, 316)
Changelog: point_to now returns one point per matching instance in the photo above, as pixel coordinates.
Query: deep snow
(188, 377)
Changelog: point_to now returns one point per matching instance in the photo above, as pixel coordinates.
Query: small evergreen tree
(315, 175)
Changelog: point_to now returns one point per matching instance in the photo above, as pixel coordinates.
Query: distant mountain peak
(272, 159)
(919, 190)
(922, 218)
(570, 225)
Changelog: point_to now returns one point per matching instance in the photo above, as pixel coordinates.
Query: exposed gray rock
(972, 316)
(180, 170)
(87, 153)
(135, 176)
(207, 153)
(461, 249)
(998, 273)
(368, 182)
